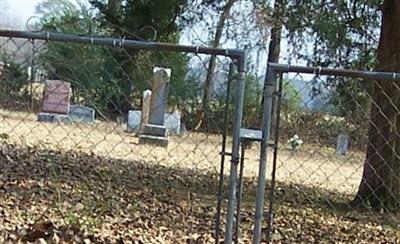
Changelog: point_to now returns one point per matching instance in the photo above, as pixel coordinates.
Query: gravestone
(146, 100)
(54, 118)
(134, 117)
(56, 98)
(78, 113)
(155, 131)
(172, 122)
(158, 101)
(342, 145)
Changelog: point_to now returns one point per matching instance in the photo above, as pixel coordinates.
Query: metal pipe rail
(285, 68)
(238, 55)
(273, 71)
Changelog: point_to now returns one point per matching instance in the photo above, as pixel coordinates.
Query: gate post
(266, 125)
(235, 154)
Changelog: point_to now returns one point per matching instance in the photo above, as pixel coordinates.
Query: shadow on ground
(75, 197)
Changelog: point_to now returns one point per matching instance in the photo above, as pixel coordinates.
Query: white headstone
(134, 117)
(145, 109)
(79, 113)
(342, 144)
(173, 123)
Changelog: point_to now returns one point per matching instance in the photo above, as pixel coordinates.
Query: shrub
(13, 78)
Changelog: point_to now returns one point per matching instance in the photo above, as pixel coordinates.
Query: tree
(146, 20)
(112, 80)
(54, 8)
(13, 78)
(340, 34)
(137, 19)
(343, 34)
(96, 82)
(274, 47)
(209, 84)
(380, 184)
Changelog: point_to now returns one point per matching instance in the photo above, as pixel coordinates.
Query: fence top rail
(236, 54)
(285, 68)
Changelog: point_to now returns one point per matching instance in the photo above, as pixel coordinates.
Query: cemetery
(200, 122)
(157, 138)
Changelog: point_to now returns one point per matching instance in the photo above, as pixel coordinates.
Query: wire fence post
(266, 125)
(223, 153)
(275, 157)
(235, 155)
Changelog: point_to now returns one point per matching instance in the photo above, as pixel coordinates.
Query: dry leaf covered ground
(95, 184)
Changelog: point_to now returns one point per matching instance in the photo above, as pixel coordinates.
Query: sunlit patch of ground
(95, 183)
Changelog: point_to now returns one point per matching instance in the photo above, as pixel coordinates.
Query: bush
(323, 128)
(13, 78)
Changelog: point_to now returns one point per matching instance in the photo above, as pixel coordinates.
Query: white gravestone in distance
(145, 109)
(134, 117)
(79, 113)
(172, 122)
(342, 146)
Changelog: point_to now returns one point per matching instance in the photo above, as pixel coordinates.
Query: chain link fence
(81, 163)
(87, 175)
(336, 169)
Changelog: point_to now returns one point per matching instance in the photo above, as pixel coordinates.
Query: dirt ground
(94, 183)
(310, 166)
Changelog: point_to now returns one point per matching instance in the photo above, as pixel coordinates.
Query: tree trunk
(114, 6)
(209, 84)
(274, 47)
(380, 184)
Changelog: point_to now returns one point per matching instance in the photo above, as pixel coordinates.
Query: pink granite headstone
(56, 97)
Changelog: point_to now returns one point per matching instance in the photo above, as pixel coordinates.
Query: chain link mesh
(95, 181)
(326, 135)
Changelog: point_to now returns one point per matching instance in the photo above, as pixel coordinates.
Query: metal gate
(322, 151)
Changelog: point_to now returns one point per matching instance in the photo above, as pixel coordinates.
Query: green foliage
(112, 80)
(94, 74)
(340, 34)
(13, 78)
(323, 128)
(54, 8)
(291, 101)
(138, 19)
(291, 98)
(350, 97)
(252, 108)
(252, 100)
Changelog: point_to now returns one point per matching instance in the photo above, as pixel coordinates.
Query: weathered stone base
(154, 135)
(172, 122)
(153, 140)
(155, 130)
(54, 118)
